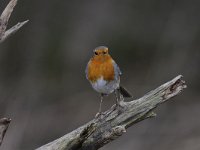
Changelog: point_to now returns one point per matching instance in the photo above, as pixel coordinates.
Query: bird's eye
(104, 52)
(95, 53)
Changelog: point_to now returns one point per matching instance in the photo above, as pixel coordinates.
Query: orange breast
(101, 67)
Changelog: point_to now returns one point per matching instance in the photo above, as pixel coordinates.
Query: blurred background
(42, 69)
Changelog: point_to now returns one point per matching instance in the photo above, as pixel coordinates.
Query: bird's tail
(124, 92)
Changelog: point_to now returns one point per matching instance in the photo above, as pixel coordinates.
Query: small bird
(104, 75)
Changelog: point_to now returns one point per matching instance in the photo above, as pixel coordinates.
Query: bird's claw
(100, 115)
(118, 107)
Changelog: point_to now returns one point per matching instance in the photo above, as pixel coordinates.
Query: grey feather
(117, 70)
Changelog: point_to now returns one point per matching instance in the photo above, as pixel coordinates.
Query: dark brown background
(42, 79)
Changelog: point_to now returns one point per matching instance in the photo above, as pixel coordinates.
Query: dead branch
(4, 18)
(4, 123)
(99, 132)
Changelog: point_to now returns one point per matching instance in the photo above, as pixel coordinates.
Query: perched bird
(104, 74)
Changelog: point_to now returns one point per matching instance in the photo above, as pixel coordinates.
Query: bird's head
(101, 51)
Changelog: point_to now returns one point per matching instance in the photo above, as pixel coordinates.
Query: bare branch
(112, 125)
(4, 123)
(6, 15)
(4, 18)
(12, 30)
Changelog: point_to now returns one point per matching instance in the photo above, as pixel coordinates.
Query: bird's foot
(100, 115)
(120, 107)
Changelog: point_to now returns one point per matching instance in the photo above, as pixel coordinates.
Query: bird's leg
(117, 95)
(99, 113)
(119, 100)
(101, 103)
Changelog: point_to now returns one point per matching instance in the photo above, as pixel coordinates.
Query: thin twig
(4, 18)
(12, 30)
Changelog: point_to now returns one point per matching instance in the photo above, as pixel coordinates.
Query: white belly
(105, 87)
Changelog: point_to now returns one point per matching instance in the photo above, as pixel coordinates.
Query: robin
(104, 75)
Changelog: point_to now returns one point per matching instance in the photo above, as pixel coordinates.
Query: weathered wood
(114, 123)
(4, 123)
(4, 18)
